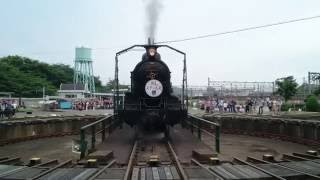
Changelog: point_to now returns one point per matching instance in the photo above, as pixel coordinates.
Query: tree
(26, 77)
(287, 87)
(110, 85)
(312, 104)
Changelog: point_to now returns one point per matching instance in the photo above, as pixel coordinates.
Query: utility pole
(44, 92)
(309, 82)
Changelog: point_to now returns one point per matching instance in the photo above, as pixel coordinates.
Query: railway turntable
(156, 158)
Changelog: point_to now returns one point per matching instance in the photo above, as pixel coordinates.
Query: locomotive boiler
(151, 105)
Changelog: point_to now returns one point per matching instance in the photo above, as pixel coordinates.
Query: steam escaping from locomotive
(153, 10)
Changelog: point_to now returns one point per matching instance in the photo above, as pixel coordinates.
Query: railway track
(306, 167)
(154, 160)
(291, 166)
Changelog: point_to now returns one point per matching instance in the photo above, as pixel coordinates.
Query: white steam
(153, 10)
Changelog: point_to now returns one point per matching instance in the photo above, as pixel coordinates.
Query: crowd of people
(92, 104)
(251, 105)
(7, 108)
(210, 105)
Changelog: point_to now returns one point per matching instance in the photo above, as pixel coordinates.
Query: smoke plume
(153, 10)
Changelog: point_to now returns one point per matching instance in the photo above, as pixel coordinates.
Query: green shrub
(312, 104)
(294, 107)
(300, 106)
(285, 107)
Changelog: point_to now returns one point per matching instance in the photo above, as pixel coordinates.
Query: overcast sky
(49, 30)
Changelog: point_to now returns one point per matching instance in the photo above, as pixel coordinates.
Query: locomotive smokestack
(150, 41)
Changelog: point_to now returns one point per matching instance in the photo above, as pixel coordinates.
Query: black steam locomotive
(151, 105)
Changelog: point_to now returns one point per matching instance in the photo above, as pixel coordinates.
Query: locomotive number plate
(153, 88)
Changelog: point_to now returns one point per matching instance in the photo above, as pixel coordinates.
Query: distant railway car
(151, 104)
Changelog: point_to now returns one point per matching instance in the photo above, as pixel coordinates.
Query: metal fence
(102, 126)
(200, 126)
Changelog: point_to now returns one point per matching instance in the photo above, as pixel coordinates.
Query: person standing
(274, 106)
(250, 105)
(220, 105)
(225, 106)
(247, 106)
(279, 103)
(261, 105)
(87, 105)
(233, 103)
(2, 109)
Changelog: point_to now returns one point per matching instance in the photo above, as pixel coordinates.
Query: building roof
(72, 87)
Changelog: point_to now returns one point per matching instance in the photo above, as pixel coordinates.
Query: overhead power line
(238, 30)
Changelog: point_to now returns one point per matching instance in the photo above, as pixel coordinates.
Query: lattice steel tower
(83, 71)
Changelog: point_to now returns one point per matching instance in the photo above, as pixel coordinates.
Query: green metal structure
(83, 71)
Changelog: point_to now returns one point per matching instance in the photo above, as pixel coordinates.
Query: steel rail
(294, 158)
(260, 169)
(295, 170)
(10, 160)
(102, 170)
(25, 167)
(300, 158)
(13, 171)
(207, 169)
(308, 156)
(254, 160)
(177, 162)
(131, 161)
(52, 169)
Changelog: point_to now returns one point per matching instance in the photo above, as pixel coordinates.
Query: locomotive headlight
(152, 51)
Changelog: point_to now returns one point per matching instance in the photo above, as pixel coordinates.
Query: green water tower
(83, 71)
